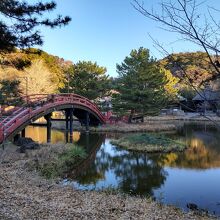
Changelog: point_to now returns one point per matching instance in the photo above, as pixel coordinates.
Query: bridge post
(87, 121)
(67, 124)
(87, 142)
(23, 133)
(71, 125)
(67, 119)
(16, 137)
(48, 118)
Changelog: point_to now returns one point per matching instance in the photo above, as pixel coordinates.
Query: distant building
(207, 99)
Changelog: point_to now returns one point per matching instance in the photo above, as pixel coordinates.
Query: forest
(148, 84)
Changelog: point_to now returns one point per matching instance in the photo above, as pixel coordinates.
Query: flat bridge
(43, 105)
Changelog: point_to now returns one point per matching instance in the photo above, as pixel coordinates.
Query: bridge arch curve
(42, 105)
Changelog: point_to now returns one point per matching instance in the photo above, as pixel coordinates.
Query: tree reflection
(138, 173)
(203, 150)
(135, 173)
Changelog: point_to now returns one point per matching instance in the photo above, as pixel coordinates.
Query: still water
(174, 178)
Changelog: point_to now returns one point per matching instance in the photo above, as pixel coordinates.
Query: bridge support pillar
(87, 121)
(67, 125)
(71, 125)
(23, 133)
(67, 119)
(87, 142)
(48, 118)
(16, 137)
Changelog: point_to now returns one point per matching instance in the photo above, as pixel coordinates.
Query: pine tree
(20, 20)
(10, 93)
(87, 79)
(140, 86)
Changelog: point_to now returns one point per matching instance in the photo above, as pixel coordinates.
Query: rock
(192, 206)
(26, 144)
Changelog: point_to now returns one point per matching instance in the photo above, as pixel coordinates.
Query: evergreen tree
(140, 86)
(87, 79)
(10, 93)
(20, 20)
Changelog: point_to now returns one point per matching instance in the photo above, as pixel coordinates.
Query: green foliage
(69, 157)
(87, 79)
(140, 85)
(20, 22)
(10, 93)
(187, 92)
(63, 162)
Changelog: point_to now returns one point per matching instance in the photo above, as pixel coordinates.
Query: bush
(57, 164)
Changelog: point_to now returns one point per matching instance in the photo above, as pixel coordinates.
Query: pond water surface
(174, 178)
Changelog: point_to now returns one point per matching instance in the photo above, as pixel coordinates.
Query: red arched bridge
(15, 120)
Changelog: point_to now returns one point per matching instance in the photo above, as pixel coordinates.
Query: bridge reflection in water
(189, 177)
(39, 134)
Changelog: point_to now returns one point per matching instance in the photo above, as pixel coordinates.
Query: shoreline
(26, 195)
(151, 124)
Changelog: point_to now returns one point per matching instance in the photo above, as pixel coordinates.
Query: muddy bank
(26, 195)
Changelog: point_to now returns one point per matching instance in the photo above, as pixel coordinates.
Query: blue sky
(105, 31)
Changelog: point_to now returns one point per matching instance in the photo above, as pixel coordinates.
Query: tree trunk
(131, 116)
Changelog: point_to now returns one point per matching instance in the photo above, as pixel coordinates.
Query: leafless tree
(36, 84)
(184, 17)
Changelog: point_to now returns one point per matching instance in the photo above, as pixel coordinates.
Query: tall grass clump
(55, 161)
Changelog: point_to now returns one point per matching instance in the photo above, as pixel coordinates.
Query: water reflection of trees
(135, 173)
(203, 151)
(138, 173)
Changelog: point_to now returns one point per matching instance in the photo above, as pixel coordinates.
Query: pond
(174, 178)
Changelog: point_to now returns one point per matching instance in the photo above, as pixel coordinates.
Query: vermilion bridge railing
(37, 103)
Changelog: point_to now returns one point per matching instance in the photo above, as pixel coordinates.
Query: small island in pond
(149, 143)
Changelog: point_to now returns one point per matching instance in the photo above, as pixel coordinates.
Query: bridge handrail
(39, 97)
(14, 119)
(13, 112)
(34, 98)
(81, 98)
(85, 101)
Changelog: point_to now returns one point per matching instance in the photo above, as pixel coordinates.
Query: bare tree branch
(182, 17)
